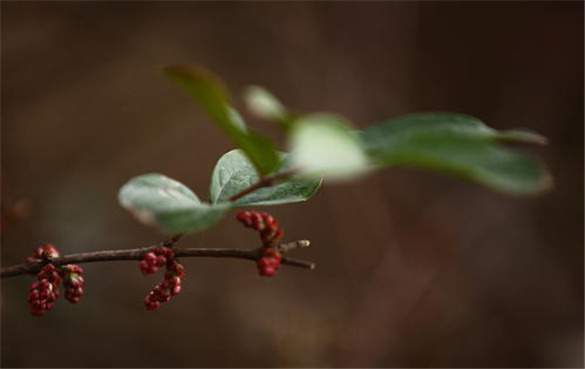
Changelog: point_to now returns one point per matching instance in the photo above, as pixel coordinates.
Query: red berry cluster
(269, 263)
(270, 234)
(171, 285)
(155, 259)
(46, 253)
(263, 223)
(45, 291)
(73, 282)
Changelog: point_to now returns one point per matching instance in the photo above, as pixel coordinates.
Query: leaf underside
(168, 205)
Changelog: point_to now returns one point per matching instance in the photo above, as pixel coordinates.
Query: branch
(264, 182)
(138, 254)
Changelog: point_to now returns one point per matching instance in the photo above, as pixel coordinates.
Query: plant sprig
(320, 146)
(323, 145)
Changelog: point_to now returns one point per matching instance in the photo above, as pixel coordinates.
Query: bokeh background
(414, 269)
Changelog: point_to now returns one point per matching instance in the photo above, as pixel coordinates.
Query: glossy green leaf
(461, 146)
(209, 92)
(234, 173)
(168, 205)
(324, 145)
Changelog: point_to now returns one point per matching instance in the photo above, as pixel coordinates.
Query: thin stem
(264, 182)
(138, 254)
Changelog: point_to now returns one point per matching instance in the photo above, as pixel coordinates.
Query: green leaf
(461, 146)
(234, 173)
(209, 92)
(441, 123)
(168, 205)
(323, 144)
(260, 150)
(522, 136)
(263, 105)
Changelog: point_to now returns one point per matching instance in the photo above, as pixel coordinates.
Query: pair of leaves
(162, 202)
(234, 172)
(172, 207)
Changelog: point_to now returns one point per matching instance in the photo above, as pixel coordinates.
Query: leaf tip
(524, 136)
(181, 68)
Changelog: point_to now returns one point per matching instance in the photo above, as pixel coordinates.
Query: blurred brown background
(414, 269)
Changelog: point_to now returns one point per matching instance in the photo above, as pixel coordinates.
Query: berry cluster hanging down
(171, 285)
(45, 291)
(269, 261)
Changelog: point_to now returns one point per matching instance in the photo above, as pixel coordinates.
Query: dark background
(414, 269)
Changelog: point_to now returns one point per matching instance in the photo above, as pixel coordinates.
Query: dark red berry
(175, 290)
(150, 258)
(145, 268)
(160, 261)
(49, 251)
(267, 272)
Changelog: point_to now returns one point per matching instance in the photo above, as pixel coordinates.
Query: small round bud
(176, 290)
(160, 261)
(145, 268)
(150, 258)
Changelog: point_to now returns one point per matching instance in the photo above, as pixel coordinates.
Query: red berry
(38, 253)
(268, 219)
(152, 305)
(76, 269)
(49, 251)
(74, 299)
(257, 221)
(176, 290)
(150, 258)
(33, 295)
(176, 281)
(176, 268)
(160, 261)
(145, 268)
(243, 217)
(169, 253)
(268, 272)
(162, 250)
